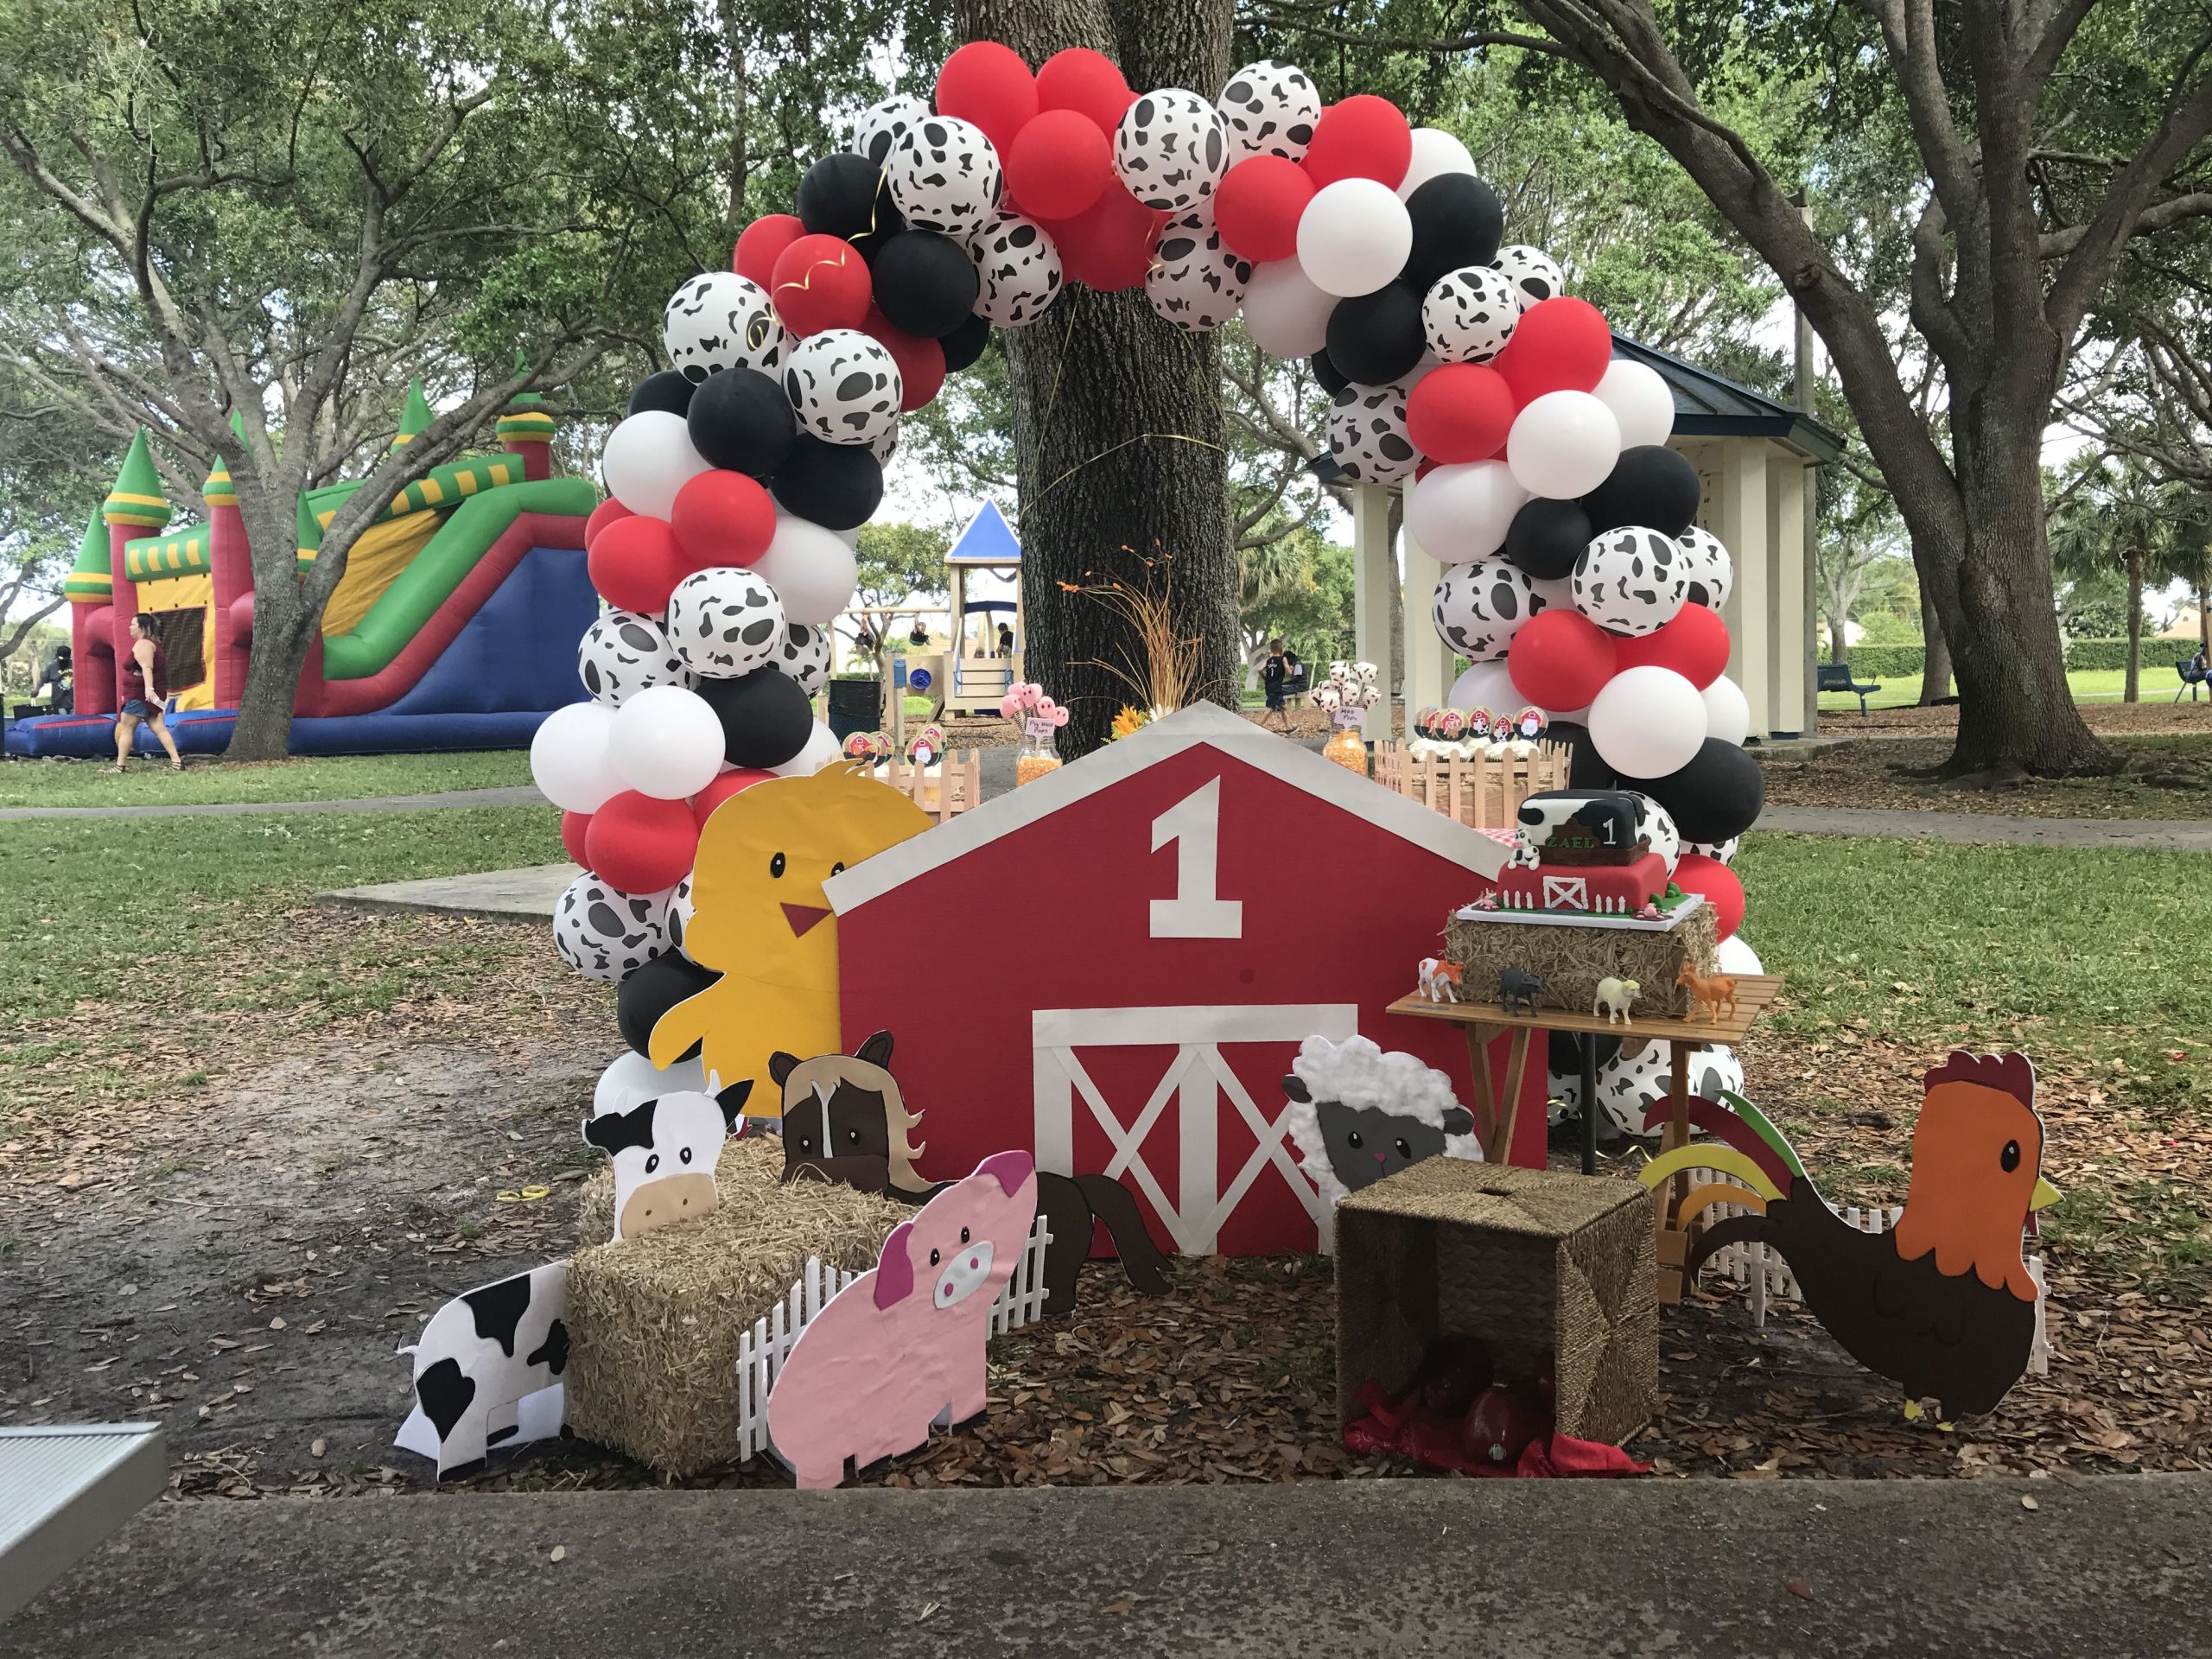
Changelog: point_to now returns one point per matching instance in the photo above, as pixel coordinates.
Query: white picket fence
(1768, 1278)
(762, 1350)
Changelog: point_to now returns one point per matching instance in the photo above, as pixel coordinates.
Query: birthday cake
(1584, 852)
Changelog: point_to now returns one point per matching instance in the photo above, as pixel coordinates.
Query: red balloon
(1722, 887)
(1109, 247)
(1460, 411)
(636, 564)
(1560, 659)
(725, 785)
(1088, 82)
(1059, 164)
(638, 844)
(1694, 644)
(989, 85)
(1362, 137)
(1561, 344)
(573, 825)
(821, 282)
(920, 360)
(722, 518)
(1257, 207)
(760, 244)
(607, 512)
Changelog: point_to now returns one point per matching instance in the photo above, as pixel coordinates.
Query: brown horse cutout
(846, 1120)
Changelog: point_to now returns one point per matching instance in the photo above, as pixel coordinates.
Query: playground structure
(455, 626)
(974, 673)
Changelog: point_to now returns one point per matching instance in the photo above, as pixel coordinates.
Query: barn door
(1199, 1087)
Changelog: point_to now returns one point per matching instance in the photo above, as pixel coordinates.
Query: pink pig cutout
(906, 1340)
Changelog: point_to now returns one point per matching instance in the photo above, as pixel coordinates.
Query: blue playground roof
(989, 539)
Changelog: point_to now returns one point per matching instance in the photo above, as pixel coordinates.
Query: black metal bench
(1836, 677)
(2192, 677)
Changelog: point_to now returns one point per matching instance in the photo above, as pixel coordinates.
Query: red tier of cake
(1587, 889)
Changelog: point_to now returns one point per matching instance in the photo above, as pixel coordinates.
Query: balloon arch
(1575, 578)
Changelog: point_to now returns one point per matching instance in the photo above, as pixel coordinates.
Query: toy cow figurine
(1518, 991)
(1440, 979)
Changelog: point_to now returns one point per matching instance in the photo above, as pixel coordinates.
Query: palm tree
(2119, 516)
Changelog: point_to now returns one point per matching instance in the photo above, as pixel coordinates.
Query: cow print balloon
(1270, 109)
(1533, 273)
(622, 654)
(725, 621)
(681, 906)
(1721, 852)
(1631, 581)
(1706, 567)
(883, 124)
(1480, 606)
(1170, 149)
(804, 653)
(1367, 434)
(1468, 314)
(1628, 1082)
(721, 320)
(1655, 824)
(844, 385)
(1019, 267)
(1196, 281)
(606, 934)
(882, 447)
(1714, 1071)
(943, 175)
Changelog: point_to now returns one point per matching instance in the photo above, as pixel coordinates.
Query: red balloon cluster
(1109, 248)
(1562, 343)
(989, 85)
(820, 282)
(1257, 207)
(1694, 644)
(1059, 164)
(722, 518)
(1460, 411)
(725, 785)
(635, 563)
(1089, 82)
(760, 244)
(1561, 659)
(1362, 137)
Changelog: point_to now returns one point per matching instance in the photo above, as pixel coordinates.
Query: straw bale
(1572, 957)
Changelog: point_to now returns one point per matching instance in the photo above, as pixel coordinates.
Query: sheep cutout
(1358, 1115)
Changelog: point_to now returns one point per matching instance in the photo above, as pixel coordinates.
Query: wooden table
(1494, 1127)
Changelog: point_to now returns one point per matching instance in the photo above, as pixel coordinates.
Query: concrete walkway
(2171, 834)
(513, 795)
(1565, 1569)
(525, 894)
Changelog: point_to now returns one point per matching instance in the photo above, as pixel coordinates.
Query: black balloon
(649, 992)
(924, 283)
(1565, 1058)
(765, 717)
(1585, 769)
(838, 486)
(740, 419)
(1650, 485)
(965, 344)
(1458, 221)
(846, 195)
(1333, 379)
(1718, 795)
(668, 390)
(1377, 338)
(1546, 537)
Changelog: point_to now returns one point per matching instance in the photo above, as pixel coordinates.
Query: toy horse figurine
(1710, 994)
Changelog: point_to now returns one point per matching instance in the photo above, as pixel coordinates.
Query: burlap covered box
(653, 1321)
(1572, 957)
(1537, 1264)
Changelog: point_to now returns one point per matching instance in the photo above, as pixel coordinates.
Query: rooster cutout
(1943, 1303)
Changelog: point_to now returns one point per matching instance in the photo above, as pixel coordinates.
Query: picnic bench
(2192, 677)
(1836, 677)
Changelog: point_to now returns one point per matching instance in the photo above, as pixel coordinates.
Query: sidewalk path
(1326, 1570)
(512, 795)
(2172, 835)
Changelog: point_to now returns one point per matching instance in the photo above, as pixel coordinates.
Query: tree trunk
(1839, 640)
(2204, 620)
(1117, 426)
(1394, 676)
(1936, 653)
(280, 637)
(2130, 691)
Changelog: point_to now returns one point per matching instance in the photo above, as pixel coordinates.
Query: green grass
(2157, 684)
(206, 781)
(2089, 952)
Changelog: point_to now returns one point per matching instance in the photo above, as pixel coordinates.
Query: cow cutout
(487, 1370)
(665, 1151)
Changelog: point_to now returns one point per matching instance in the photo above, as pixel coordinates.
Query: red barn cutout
(1111, 967)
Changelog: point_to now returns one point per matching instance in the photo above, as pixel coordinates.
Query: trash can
(855, 706)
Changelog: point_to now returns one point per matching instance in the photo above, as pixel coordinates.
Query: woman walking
(143, 680)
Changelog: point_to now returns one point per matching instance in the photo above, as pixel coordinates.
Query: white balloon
(1170, 149)
(632, 1080)
(1640, 401)
(945, 174)
(1436, 152)
(843, 385)
(1285, 313)
(1270, 109)
(666, 741)
(1353, 237)
(1630, 581)
(1485, 685)
(569, 758)
(1017, 270)
(1709, 569)
(1727, 711)
(1367, 434)
(1646, 721)
(1562, 445)
(812, 569)
(648, 458)
(821, 748)
(721, 321)
(607, 934)
(1734, 956)
(1462, 512)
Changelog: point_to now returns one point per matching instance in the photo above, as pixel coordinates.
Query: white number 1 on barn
(1193, 823)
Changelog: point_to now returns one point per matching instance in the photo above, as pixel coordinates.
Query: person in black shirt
(1274, 675)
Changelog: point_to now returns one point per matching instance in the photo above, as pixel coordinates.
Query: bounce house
(455, 625)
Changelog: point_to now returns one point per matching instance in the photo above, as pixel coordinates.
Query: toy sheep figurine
(1359, 1114)
(1615, 999)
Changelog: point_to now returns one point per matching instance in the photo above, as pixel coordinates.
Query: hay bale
(653, 1321)
(1572, 957)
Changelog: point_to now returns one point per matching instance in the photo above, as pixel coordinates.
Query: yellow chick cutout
(760, 918)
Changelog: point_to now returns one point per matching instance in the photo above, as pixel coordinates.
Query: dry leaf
(1799, 1588)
